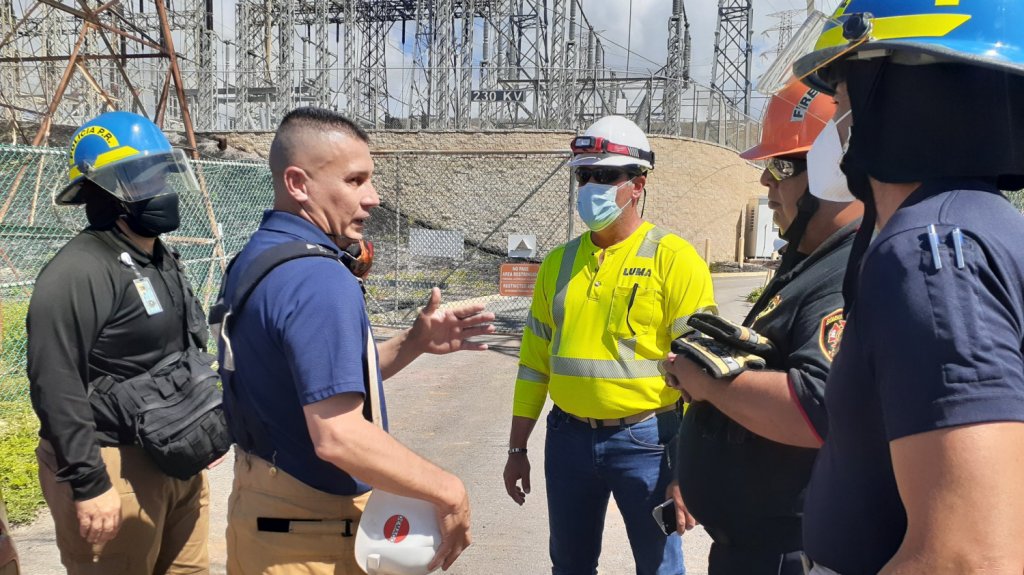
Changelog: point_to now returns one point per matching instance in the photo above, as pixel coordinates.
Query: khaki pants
(165, 522)
(323, 547)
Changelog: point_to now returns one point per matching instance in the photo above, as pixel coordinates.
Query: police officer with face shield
(112, 304)
(605, 309)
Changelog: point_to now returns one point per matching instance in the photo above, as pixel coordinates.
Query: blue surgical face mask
(596, 204)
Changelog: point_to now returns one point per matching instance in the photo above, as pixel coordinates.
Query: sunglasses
(602, 175)
(782, 169)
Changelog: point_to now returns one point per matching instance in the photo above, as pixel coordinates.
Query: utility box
(761, 231)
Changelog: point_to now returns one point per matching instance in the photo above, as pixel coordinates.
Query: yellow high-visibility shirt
(597, 332)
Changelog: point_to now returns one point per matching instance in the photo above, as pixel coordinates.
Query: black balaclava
(806, 207)
(921, 123)
(101, 208)
(915, 123)
(153, 216)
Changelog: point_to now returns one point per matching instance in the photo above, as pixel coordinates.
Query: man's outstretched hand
(441, 331)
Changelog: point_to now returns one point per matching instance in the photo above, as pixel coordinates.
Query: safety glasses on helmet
(599, 145)
(782, 168)
(602, 176)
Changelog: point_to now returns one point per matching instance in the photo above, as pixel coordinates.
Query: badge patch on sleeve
(774, 303)
(831, 333)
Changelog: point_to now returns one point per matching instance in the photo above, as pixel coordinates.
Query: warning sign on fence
(517, 279)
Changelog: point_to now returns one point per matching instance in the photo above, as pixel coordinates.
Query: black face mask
(154, 216)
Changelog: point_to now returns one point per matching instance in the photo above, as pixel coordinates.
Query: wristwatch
(514, 450)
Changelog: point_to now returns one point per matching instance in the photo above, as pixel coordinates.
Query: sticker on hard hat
(800, 111)
(396, 535)
(96, 131)
(396, 528)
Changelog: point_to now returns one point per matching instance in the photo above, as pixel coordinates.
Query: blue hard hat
(125, 154)
(988, 33)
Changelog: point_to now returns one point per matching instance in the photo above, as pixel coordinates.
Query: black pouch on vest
(173, 411)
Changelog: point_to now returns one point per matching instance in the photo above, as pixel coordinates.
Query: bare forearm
(914, 562)
(761, 402)
(963, 491)
(369, 453)
(396, 354)
(522, 427)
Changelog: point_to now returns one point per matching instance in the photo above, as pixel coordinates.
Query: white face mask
(597, 206)
(826, 180)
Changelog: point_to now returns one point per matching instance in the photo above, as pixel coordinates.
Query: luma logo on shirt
(642, 272)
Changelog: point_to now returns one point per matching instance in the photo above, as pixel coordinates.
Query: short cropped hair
(309, 116)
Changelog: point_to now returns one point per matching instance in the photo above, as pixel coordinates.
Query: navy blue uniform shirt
(300, 339)
(924, 349)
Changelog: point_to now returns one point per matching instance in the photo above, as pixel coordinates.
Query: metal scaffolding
(388, 64)
(61, 64)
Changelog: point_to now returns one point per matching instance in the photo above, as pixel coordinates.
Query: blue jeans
(583, 466)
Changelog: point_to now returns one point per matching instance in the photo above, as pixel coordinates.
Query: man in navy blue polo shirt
(922, 470)
(304, 398)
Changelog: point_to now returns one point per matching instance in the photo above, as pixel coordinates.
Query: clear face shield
(148, 177)
(832, 38)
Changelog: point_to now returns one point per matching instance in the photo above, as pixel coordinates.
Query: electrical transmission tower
(783, 30)
(730, 73)
(677, 68)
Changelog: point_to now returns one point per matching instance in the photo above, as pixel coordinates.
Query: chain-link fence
(444, 220)
(33, 229)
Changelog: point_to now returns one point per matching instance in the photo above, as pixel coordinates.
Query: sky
(650, 30)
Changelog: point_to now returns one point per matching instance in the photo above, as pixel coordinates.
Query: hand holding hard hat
(397, 535)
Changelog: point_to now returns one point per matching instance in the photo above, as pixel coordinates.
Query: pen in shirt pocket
(629, 307)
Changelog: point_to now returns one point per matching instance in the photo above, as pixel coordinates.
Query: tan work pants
(165, 522)
(319, 548)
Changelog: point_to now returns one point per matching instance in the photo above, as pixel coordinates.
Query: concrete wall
(697, 190)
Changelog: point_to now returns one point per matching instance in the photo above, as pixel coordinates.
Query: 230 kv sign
(499, 95)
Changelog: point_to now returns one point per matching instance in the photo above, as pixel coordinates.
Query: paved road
(455, 411)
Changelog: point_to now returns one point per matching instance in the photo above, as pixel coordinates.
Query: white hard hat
(613, 141)
(397, 535)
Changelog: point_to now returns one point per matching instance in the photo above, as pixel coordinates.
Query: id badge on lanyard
(148, 295)
(142, 285)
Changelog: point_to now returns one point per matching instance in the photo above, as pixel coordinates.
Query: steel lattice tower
(730, 73)
(784, 30)
(677, 69)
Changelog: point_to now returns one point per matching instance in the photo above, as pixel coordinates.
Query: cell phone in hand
(665, 516)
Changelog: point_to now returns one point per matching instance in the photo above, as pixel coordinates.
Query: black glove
(728, 333)
(723, 348)
(718, 359)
